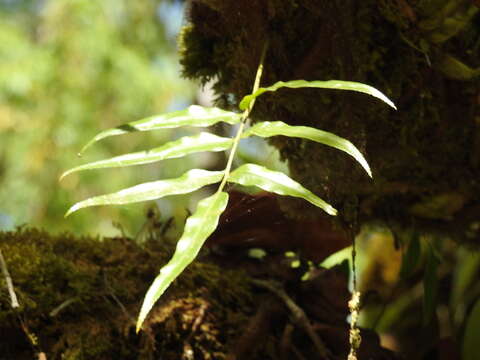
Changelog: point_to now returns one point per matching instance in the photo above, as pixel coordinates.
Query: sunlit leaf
(194, 115)
(470, 337)
(174, 149)
(276, 182)
(188, 182)
(330, 84)
(275, 128)
(430, 286)
(337, 258)
(198, 228)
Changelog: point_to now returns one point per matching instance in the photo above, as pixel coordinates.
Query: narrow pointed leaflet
(194, 115)
(174, 149)
(275, 128)
(190, 181)
(199, 226)
(330, 84)
(276, 182)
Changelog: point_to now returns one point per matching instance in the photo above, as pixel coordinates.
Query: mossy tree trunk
(425, 55)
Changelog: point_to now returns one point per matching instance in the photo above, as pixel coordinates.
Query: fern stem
(355, 338)
(243, 120)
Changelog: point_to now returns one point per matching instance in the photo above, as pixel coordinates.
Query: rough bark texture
(425, 55)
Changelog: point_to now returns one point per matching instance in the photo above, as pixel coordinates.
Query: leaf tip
(64, 175)
(364, 163)
(331, 211)
(81, 152)
(369, 172)
(72, 210)
(139, 326)
(86, 146)
(387, 101)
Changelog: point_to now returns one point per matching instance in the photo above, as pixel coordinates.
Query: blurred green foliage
(69, 68)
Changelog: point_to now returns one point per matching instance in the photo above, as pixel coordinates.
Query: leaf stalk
(243, 121)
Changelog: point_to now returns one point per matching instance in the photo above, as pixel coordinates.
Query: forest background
(67, 70)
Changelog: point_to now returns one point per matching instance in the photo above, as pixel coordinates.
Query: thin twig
(354, 306)
(128, 316)
(286, 342)
(9, 282)
(355, 338)
(31, 337)
(243, 120)
(299, 315)
(354, 263)
(62, 306)
(115, 298)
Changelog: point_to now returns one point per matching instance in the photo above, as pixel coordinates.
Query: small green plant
(205, 219)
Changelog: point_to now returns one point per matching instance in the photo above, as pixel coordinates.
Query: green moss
(79, 297)
(195, 61)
